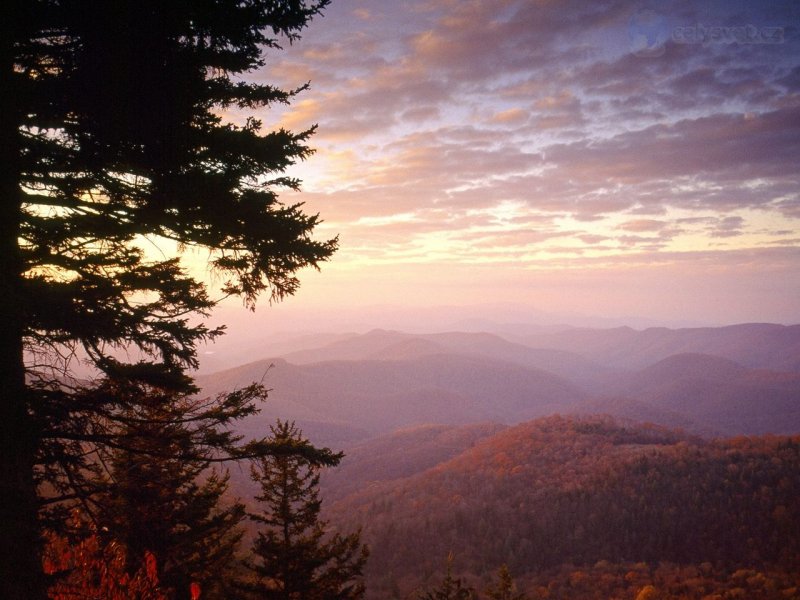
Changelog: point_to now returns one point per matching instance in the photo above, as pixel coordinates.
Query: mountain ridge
(384, 380)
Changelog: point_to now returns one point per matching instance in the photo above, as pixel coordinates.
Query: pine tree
(451, 588)
(504, 588)
(296, 558)
(164, 498)
(151, 478)
(110, 142)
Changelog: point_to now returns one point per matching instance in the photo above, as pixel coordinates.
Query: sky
(621, 160)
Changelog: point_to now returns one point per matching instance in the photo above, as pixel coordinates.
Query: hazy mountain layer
(382, 395)
(755, 345)
(386, 380)
(394, 345)
(705, 394)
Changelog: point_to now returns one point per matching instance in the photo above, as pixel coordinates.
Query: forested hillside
(401, 454)
(565, 491)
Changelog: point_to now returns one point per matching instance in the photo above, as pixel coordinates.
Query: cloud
(727, 227)
(363, 13)
(524, 130)
(641, 225)
(510, 116)
(421, 113)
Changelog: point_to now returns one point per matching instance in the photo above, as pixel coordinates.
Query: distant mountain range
(754, 345)
(382, 395)
(742, 379)
(713, 393)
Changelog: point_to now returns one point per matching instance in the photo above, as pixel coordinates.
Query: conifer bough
(110, 139)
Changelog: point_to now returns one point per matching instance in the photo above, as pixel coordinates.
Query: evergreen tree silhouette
(111, 144)
(504, 588)
(451, 588)
(296, 558)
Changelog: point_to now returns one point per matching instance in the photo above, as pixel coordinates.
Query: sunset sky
(591, 158)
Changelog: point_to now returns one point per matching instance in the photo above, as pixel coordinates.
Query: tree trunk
(20, 565)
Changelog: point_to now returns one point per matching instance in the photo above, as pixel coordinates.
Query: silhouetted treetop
(121, 140)
(116, 157)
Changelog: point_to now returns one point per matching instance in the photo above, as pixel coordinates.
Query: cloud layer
(561, 135)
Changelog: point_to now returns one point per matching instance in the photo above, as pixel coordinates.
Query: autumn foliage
(86, 566)
(555, 497)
